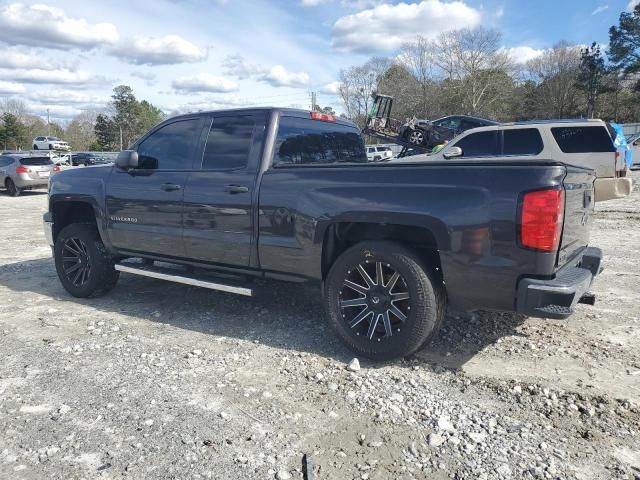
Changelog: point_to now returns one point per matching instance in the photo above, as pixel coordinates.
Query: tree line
(124, 120)
(468, 72)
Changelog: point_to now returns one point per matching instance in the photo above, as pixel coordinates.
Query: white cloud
(68, 97)
(500, 11)
(167, 50)
(599, 9)
(312, 3)
(523, 54)
(15, 58)
(148, 76)
(332, 88)
(632, 4)
(237, 66)
(204, 82)
(11, 87)
(58, 76)
(387, 27)
(279, 76)
(46, 26)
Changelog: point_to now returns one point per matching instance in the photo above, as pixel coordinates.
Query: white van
(585, 143)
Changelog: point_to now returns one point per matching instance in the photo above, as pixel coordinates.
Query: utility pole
(313, 101)
(120, 138)
(48, 124)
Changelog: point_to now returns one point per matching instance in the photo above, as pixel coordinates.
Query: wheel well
(340, 236)
(66, 213)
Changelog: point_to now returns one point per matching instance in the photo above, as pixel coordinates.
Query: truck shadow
(283, 315)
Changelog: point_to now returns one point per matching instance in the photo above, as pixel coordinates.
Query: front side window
(228, 143)
(481, 144)
(170, 147)
(450, 123)
(584, 139)
(302, 141)
(522, 141)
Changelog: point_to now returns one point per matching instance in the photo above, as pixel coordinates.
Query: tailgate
(578, 211)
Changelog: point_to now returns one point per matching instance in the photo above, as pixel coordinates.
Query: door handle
(170, 187)
(235, 189)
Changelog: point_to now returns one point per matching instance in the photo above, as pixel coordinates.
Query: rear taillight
(541, 219)
(23, 170)
(56, 168)
(323, 117)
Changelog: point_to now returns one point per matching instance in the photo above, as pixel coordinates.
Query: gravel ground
(159, 380)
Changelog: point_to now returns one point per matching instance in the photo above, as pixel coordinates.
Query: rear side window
(522, 141)
(383, 149)
(481, 144)
(302, 141)
(229, 143)
(170, 147)
(35, 161)
(583, 139)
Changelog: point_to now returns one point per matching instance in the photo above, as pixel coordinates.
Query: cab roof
(290, 112)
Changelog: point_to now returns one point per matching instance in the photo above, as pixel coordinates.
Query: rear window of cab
(302, 141)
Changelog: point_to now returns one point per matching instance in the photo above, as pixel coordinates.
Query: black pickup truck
(288, 195)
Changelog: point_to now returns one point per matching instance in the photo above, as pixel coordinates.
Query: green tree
(127, 113)
(149, 116)
(129, 119)
(14, 133)
(592, 76)
(624, 42)
(105, 132)
(328, 110)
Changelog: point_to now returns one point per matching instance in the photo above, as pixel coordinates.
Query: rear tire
(391, 314)
(417, 137)
(84, 266)
(12, 189)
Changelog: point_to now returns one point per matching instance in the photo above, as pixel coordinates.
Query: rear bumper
(557, 298)
(30, 182)
(612, 188)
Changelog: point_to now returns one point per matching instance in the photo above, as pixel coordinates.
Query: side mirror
(127, 159)
(452, 152)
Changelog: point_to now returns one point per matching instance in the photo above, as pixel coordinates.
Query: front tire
(84, 266)
(12, 189)
(382, 303)
(35, 147)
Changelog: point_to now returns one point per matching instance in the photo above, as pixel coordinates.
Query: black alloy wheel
(374, 300)
(381, 300)
(76, 261)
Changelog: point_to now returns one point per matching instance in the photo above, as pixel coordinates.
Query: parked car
(377, 154)
(289, 195)
(19, 172)
(91, 158)
(634, 141)
(586, 143)
(50, 143)
(431, 133)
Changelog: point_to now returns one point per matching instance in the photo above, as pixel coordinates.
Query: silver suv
(584, 143)
(19, 172)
